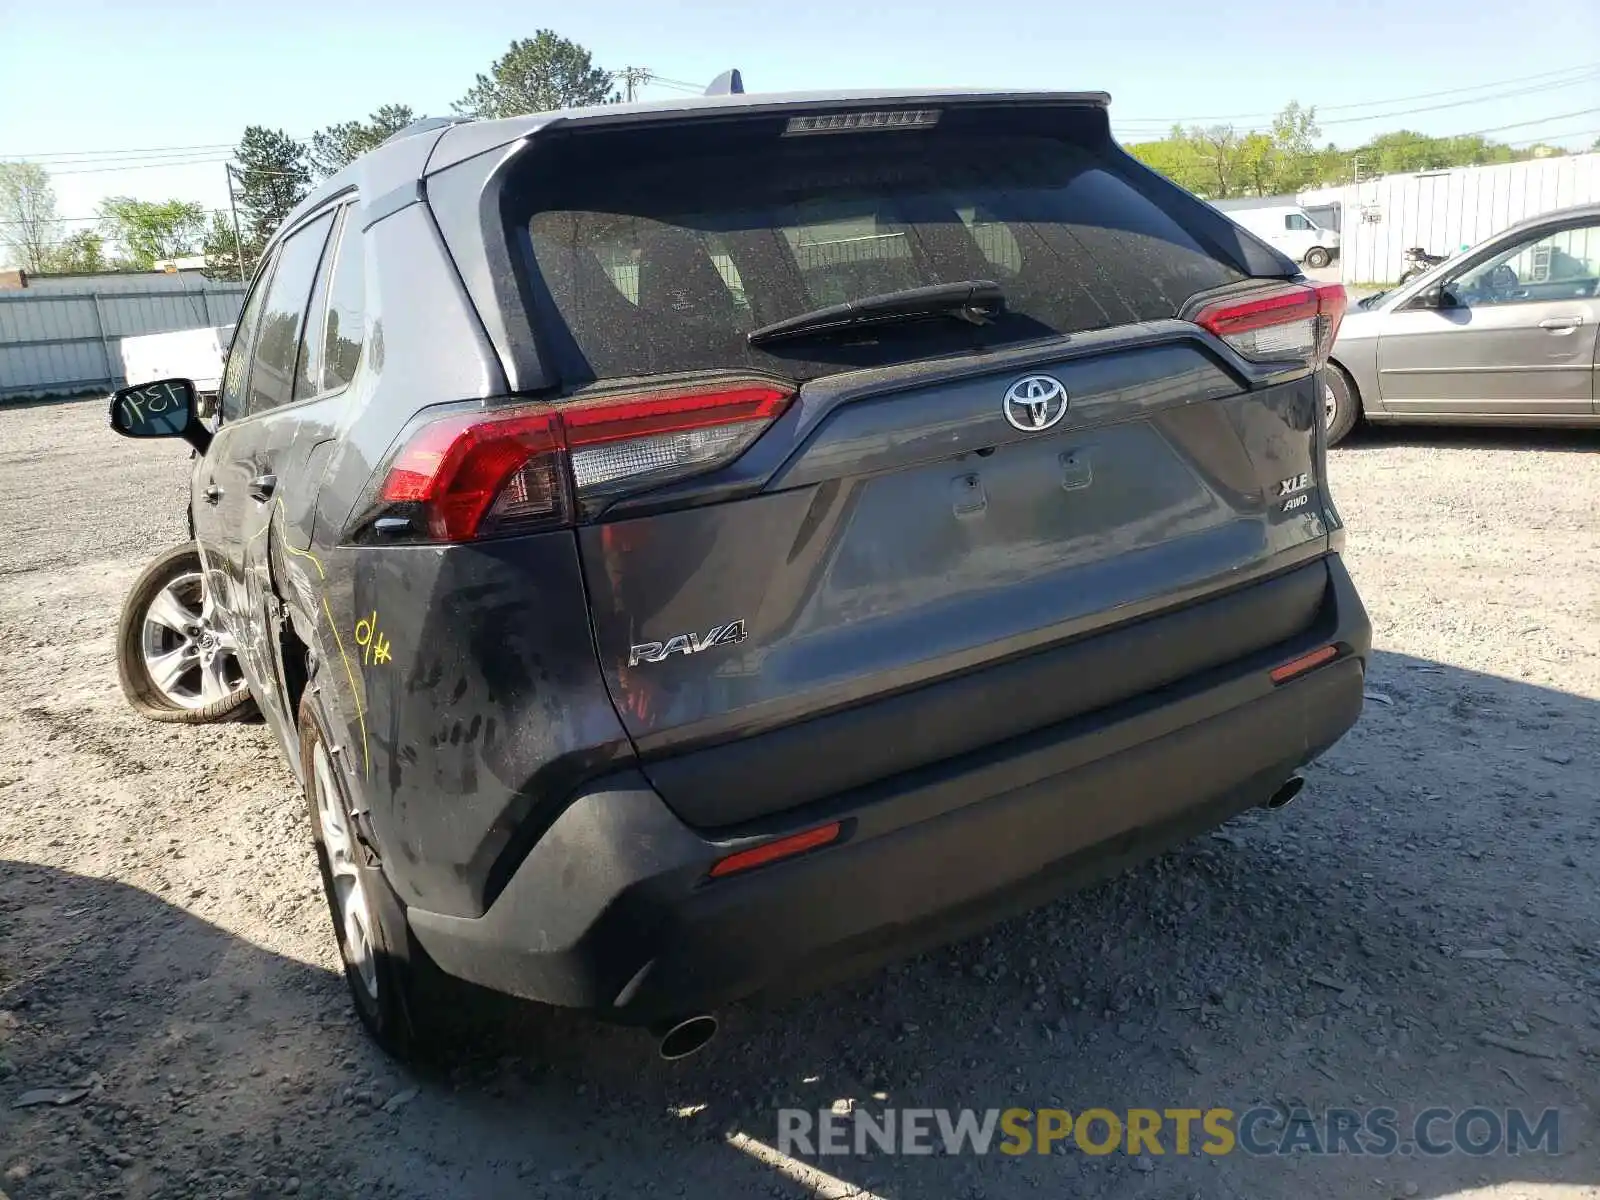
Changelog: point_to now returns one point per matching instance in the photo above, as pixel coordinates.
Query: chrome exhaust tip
(687, 1036)
(1285, 795)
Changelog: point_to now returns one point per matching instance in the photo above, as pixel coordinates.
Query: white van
(1291, 229)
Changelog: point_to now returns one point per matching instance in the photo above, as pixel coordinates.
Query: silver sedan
(1501, 335)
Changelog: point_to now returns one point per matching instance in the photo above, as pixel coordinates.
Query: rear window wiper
(977, 301)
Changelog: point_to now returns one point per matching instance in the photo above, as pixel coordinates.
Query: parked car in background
(687, 547)
(193, 354)
(1288, 227)
(1502, 334)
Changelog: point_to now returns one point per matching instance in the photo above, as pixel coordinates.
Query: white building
(1445, 211)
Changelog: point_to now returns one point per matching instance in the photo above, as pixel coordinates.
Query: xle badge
(1288, 487)
(687, 643)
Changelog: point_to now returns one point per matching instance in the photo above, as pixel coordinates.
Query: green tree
(1176, 157)
(150, 232)
(81, 253)
(271, 177)
(1294, 143)
(337, 145)
(1220, 150)
(220, 248)
(1404, 150)
(538, 74)
(29, 225)
(1258, 166)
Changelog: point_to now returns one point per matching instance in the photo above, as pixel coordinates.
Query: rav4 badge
(687, 643)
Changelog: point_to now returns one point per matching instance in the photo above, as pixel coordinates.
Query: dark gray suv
(686, 546)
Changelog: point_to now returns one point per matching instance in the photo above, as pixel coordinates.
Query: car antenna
(729, 83)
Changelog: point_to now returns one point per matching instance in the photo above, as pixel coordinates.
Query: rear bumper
(612, 910)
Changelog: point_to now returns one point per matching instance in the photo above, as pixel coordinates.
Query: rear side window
(645, 265)
(342, 335)
(272, 368)
(330, 347)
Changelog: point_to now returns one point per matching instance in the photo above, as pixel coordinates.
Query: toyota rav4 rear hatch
(914, 412)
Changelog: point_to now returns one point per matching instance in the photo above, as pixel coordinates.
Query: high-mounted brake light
(905, 118)
(1296, 320)
(470, 475)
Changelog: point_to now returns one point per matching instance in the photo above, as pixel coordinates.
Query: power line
(190, 162)
(1584, 73)
(1582, 112)
(1389, 115)
(1549, 137)
(63, 154)
(1584, 70)
(204, 212)
(1451, 104)
(132, 159)
(678, 85)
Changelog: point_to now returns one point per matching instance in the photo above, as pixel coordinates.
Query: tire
(1407, 276)
(398, 992)
(174, 664)
(1318, 257)
(1341, 403)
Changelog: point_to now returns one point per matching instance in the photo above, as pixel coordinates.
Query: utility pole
(1350, 264)
(632, 78)
(233, 207)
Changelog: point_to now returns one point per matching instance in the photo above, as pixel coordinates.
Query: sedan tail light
(470, 475)
(1294, 321)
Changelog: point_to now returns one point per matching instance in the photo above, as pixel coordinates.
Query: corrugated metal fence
(59, 336)
(1442, 211)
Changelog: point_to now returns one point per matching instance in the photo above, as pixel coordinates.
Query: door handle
(1560, 323)
(212, 493)
(262, 487)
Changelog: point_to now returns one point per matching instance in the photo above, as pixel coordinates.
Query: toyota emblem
(1035, 402)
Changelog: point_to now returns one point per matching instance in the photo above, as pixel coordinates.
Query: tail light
(471, 475)
(1294, 321)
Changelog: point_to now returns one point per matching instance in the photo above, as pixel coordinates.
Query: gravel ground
(163, 942)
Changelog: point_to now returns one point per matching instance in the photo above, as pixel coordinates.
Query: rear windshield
(665, 265)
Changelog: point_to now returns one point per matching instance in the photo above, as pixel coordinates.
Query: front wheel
(174, 660)
(1408, 276)
(1318, 257)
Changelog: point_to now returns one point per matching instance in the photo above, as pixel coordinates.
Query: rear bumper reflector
(784, 847)
(1306, 662)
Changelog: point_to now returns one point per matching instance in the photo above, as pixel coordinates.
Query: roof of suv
(403, 160)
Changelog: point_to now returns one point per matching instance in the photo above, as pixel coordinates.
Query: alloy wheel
(191, 661)
(352, 913)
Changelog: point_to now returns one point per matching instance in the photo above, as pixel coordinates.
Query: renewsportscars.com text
(1429, 1131)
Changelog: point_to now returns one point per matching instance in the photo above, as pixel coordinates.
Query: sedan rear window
(665, 265)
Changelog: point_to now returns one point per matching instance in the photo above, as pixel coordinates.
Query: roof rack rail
(729, 83)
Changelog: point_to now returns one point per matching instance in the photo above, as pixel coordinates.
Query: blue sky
(83, 79)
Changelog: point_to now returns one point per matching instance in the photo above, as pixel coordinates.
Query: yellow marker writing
(374, 646)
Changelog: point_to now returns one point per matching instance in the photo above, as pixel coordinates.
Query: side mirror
(1437, 295)
(164, 409)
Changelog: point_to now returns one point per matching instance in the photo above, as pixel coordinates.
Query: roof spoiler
(423, 125)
